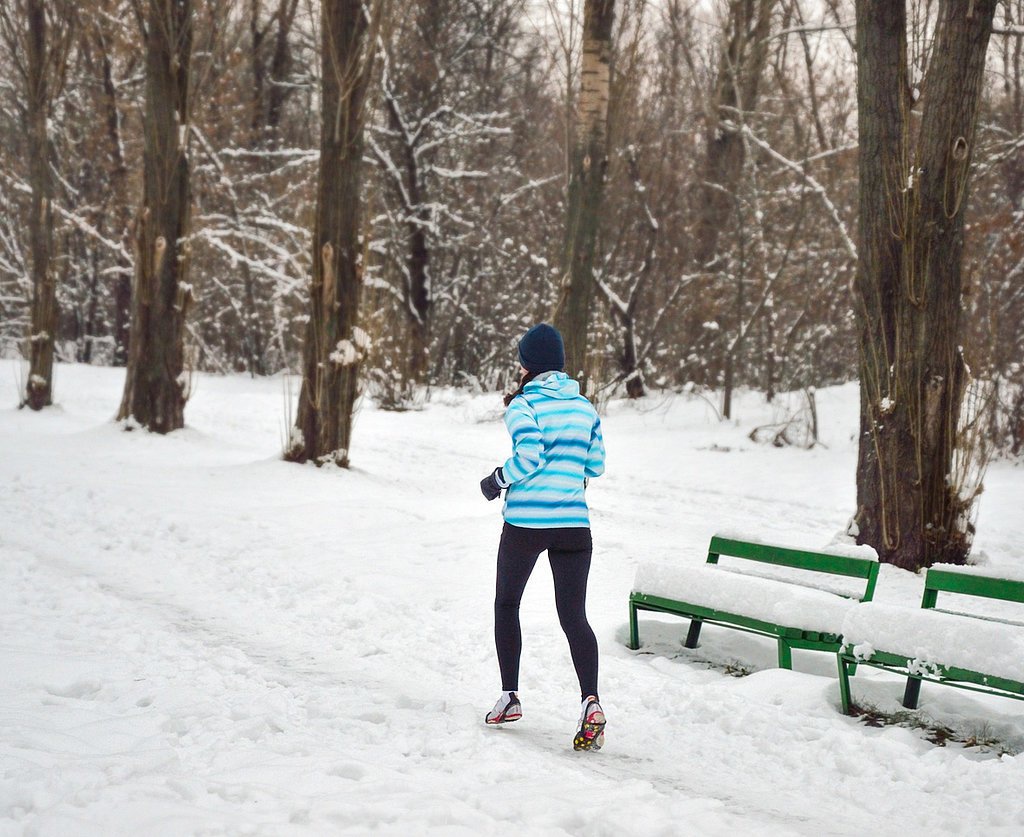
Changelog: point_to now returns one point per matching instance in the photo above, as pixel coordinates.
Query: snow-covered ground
(197, 638)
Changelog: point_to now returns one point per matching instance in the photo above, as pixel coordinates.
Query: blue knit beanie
(542, 350)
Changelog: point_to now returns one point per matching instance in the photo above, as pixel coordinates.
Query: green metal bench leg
(844, 683)
(634, 628)
(785, 655)
(912, 693)
(694, 633)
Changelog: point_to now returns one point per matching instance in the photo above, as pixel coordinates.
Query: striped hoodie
(556, 444)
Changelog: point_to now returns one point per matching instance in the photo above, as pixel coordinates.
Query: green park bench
(799, 611)
(969, 651)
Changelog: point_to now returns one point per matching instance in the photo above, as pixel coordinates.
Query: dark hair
(527, 377)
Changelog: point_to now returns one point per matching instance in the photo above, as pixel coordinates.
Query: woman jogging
(556, 448)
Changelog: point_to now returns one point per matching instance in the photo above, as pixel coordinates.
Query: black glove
(489, 485)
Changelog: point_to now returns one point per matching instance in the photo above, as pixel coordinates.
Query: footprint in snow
(351, 771)
(79, 690)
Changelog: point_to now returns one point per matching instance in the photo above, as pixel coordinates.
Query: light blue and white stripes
(556, 444)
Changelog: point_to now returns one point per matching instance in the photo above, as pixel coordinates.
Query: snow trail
(199, 639)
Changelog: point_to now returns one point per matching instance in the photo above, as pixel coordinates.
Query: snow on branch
(72, 218)
(459, 174)
(304, 154)
(815, 186)
(812, 28)
(529, 186)
(389, 166)
(614, 300)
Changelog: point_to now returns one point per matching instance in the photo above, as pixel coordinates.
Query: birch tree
(588, 162)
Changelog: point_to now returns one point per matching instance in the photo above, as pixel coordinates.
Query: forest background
(725, 247)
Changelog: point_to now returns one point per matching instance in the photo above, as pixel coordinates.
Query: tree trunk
(588, 162)
(909, 284)
(630, 363)
(39, 388)
(257, 96)
(119, 207)
(270, 92)
(727, 387)
(155, 385)
(335, 344)
(418, 309)
(424, 99)
(280, 67)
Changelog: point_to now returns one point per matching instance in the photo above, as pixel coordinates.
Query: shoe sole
(591, 733)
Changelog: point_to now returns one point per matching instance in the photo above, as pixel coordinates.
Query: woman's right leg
(517, 556)
(570, 567)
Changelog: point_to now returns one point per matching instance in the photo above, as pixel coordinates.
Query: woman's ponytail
(527, 377)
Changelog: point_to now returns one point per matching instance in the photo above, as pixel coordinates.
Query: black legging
(569, 551)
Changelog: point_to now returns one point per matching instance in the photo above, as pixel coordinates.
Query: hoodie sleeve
(527, 443)
(595, 455)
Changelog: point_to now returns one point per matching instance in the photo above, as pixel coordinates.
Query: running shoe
(505, 710)
(590, 732)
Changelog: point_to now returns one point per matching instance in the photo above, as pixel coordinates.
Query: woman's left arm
(527, 443)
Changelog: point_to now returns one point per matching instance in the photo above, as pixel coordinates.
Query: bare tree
(99, 47)
(467, 160)
(437, 113)
(38, 36)
(335, 344)
(156, 386)
(913, 193)
(255, 133)
(271, 86)
(743, 54)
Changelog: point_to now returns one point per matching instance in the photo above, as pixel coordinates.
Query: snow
(935, 637)
(344, 354)
(198, 638)
(758, 598)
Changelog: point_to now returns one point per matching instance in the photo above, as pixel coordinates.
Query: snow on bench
(797, 614)
(931, 639)
(765, 599)
(970, 651)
